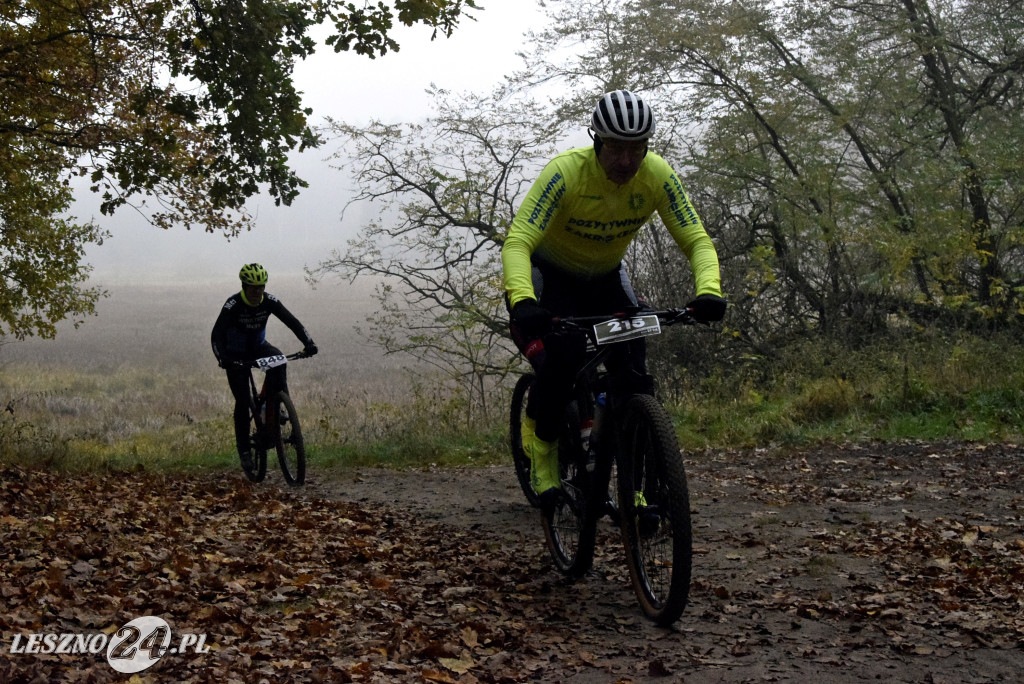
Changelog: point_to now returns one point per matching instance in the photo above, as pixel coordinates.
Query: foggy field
(140, 378)
(168, 328)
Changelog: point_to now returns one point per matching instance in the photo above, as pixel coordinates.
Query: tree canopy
(181, 108)
(858, 163)
(448, 190)
(855, 160)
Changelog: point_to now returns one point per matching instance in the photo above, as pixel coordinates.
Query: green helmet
(253, 274)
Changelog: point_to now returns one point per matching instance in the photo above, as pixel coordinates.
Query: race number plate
(619, 329)
(268, 362)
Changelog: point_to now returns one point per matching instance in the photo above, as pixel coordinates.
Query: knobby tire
(657, 536)
(291, 451)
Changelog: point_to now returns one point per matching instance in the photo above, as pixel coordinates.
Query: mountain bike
(274, 424)
(618, 456)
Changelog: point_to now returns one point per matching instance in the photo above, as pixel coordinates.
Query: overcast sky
(344, 86)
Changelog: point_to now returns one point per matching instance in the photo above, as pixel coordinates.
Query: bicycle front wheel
(291, 451)
(255, 465)
(654, 506)
(515, 433)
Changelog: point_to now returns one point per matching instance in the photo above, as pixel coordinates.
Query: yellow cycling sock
(543, 458)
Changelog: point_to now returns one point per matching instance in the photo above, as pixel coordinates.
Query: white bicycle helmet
(621, 115)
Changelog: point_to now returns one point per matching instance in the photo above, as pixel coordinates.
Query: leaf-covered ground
(879, 562)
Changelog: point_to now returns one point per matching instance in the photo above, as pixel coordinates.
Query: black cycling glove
(708, 308)
(532, 319)
(310, 349)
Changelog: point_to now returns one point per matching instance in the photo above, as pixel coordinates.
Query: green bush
(931, 386)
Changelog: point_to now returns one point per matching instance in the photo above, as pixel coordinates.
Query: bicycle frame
(258, 396)
(257, 406)
(591, 380)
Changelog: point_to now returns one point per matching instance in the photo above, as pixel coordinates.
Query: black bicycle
(274, 424)
(618, 456)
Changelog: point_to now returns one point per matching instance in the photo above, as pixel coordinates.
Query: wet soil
(887, 562)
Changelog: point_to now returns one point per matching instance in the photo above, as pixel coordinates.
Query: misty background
(345, 86)
(165, 287)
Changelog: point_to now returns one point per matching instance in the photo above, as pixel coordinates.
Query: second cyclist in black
(240, 334)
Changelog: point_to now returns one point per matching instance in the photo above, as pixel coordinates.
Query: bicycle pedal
(648, 520)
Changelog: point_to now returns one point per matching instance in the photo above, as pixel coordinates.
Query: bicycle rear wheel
(515, 432)
(291, 451)
(255, 468)
(570, 525)
(654, 506)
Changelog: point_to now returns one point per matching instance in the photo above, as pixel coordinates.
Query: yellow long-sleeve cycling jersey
(579, 221)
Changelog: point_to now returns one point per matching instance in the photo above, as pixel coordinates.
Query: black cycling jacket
(241, 329)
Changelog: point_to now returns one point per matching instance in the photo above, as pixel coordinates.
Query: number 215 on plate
(619, 329)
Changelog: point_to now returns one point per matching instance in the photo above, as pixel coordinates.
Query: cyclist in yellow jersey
(563, 256)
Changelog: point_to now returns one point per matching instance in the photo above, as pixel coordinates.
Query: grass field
(139, 383)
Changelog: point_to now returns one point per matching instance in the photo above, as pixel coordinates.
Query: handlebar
(254, 363)
(665, 317)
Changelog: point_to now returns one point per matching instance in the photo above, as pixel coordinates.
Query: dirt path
(894, 563)
(888, 562)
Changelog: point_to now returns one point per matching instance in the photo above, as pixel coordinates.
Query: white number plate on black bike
(268, 362)
(619, 329)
